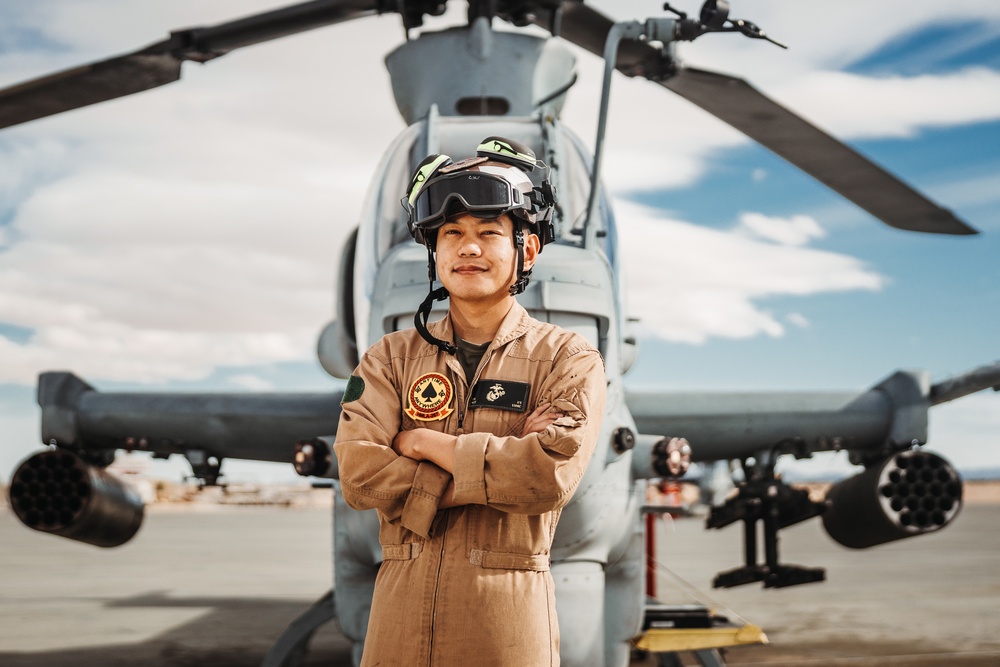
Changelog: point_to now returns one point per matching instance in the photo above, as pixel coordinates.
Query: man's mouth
(469, 269)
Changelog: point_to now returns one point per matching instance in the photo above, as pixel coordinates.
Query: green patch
(352, 392)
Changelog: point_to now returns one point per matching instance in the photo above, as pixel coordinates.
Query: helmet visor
(475, 192)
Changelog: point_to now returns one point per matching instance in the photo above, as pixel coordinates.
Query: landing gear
(205, 467)
(765, 498)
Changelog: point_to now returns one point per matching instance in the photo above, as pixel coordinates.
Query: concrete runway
(216, 586)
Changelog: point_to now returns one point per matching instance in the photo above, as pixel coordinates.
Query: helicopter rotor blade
(742, 106)
(160, 63)
(826, 159)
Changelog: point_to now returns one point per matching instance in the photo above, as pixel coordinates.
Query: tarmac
(217, 585)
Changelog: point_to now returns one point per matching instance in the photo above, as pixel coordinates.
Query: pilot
(470, 434)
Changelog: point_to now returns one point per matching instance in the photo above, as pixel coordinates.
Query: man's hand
(540, 419)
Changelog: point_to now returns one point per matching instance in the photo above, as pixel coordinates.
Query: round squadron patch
(430, 397)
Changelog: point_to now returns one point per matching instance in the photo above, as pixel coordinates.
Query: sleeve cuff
(422, 502)
(470, 465)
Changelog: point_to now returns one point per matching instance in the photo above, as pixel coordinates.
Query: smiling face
(477, 260)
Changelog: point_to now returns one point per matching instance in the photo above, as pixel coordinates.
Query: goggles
(482, 194)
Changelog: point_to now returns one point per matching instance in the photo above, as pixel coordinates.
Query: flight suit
(471, 584)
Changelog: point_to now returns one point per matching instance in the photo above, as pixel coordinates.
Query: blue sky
(187, 238)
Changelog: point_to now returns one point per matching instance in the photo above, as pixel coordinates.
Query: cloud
(860, 107)
(797, 319)
(152, 274)
(797, 230)
(688, 283)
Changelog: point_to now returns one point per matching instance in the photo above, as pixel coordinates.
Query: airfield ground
(208, 584)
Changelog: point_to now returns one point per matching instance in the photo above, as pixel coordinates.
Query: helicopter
(882, 426)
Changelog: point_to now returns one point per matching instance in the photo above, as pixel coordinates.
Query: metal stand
(672, 631)
(776, 505)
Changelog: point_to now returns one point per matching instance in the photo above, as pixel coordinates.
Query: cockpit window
(574, 190)
(391, 215)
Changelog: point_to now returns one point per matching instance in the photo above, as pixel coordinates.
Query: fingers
(542, 407)
(540, 419)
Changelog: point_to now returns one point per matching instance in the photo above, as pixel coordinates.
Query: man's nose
(470, 248)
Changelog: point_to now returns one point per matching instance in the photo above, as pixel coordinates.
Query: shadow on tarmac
(229, 632)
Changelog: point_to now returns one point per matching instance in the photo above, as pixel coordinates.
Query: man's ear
(532, 246)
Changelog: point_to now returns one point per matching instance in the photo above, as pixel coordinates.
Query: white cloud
(689, 283)
(797, 230)
(859, 107)
(797, 319)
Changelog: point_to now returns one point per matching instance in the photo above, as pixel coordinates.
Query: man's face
(476, 258)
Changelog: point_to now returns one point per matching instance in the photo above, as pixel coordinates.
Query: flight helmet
(493, 182)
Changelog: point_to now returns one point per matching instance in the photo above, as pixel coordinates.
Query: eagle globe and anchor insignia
(430, 397)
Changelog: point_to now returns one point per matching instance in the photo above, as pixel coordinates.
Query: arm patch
(352, 392)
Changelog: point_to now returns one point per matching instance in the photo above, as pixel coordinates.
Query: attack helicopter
(448, 104)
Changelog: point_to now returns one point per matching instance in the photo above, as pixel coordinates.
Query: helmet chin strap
(522, 276)
(424, 311)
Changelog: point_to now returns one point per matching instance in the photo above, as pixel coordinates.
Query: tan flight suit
(469, 585)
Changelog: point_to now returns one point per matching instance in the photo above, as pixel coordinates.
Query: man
(469, 435)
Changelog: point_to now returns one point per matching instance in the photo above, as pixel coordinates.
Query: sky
(187, 238)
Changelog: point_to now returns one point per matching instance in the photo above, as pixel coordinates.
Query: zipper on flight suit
(437, 588)
(463, 406)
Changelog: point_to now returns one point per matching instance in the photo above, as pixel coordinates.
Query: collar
(515, 324)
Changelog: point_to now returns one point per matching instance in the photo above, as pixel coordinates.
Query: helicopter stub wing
(160, 63)
(251, 426)
(736, 102)
(734, 425)
(64, 490)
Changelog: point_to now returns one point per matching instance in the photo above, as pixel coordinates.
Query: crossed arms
(409, 475)
(424, 444)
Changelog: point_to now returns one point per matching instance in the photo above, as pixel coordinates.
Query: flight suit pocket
(509, 561)
(506, 540)
(407, 551)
